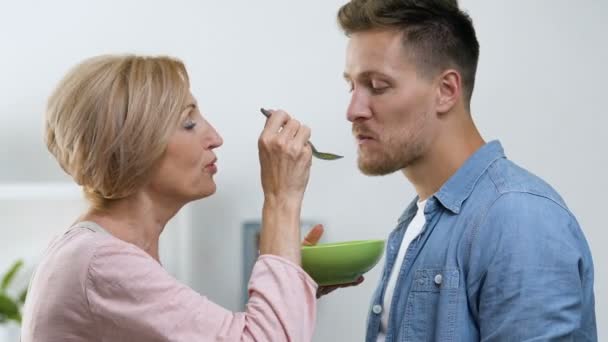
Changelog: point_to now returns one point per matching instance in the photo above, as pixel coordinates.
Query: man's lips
(362, 133)
(211, 167)
(364, 137)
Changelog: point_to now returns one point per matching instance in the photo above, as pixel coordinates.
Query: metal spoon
(315, 153)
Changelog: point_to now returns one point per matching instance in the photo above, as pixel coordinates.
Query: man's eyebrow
(365, 74)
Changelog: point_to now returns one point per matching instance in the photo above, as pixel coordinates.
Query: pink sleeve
(133, 298)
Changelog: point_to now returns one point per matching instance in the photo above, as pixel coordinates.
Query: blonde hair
(109, 120)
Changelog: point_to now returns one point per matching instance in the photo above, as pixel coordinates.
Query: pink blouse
(92, 286)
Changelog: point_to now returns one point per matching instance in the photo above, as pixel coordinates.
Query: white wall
(539, 89)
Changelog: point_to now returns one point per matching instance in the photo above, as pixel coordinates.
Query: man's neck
(443, 158)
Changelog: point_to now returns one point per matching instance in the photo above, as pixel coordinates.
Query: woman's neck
(137, 219)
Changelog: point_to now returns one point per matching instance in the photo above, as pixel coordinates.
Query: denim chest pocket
(431, 306)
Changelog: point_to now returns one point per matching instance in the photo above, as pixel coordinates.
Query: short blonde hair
(109, 120)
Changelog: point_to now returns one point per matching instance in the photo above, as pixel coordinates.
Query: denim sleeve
(531, 273)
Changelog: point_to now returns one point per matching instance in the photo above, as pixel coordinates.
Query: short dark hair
(439, 34)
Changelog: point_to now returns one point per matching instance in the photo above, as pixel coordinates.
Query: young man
(487, 251)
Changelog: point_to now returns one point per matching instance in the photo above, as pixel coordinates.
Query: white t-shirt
(413, 230)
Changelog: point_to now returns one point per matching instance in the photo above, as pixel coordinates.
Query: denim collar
(457, 189)
(410, 211)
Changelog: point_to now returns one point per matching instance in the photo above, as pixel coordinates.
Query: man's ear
(449, 90)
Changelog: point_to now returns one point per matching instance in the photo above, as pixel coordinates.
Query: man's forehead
(373, 58)
(376, 41)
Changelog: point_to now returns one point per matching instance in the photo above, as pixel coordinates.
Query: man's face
(392, 107)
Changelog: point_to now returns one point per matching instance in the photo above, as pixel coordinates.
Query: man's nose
(358, 108)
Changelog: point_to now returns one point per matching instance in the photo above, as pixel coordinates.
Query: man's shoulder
(518, 211)
(506, 191)
(514, 181)
(514, 198)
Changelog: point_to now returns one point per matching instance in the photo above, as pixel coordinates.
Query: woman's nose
(215, 140)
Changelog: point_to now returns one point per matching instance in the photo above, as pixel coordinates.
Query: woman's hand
(285, 159)
(311, 239)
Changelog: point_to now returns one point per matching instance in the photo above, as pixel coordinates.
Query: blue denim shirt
(501, 258)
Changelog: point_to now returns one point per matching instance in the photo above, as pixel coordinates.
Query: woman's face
(185, 172)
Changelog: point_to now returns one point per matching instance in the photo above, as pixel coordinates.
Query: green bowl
(341, 263)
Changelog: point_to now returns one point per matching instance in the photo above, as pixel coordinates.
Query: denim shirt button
(438, 279)
(377, 309)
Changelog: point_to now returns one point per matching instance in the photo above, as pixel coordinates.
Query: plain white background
(540, 89)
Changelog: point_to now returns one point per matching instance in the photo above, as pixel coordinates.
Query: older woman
(128, 130)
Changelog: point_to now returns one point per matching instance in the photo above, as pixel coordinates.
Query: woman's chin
(206, 192)
(198, 191)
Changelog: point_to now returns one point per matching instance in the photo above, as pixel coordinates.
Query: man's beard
(397, 156)
(399, 150)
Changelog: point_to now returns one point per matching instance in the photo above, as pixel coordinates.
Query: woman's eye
(189, 124)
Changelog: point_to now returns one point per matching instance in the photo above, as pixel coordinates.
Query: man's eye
(379, 90)
(378, 87)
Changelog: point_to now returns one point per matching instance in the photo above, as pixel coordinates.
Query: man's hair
(436, 33)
